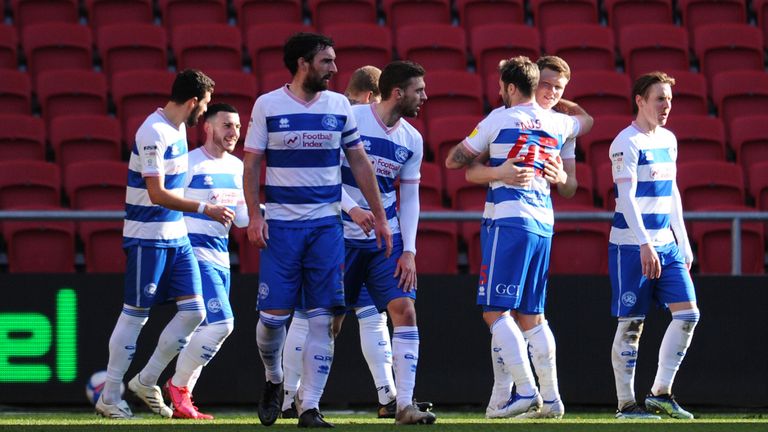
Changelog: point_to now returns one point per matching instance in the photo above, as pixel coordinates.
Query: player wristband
(201, 207)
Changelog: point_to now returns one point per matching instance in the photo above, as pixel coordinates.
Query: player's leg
(293, 353)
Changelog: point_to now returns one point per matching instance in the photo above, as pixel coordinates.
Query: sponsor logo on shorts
(628, 299)
(507, 290)
(150, 289)
(263, 290)
(214, 305)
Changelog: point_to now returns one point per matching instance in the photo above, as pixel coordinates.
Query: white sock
(377, 350)
(514, 352)
(676, 341)
(318, 357)
(174, 338)
(293, 353)
(122, 347)
(270, 337)
(626, 343)
(542, 343)
(193, 379)
(202, 347)
(405, 352)
(502, 379)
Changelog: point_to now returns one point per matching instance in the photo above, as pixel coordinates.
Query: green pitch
(230, 421)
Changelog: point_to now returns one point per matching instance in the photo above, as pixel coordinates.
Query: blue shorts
(302, 263)
(156, 275)
(363, 298)
(371, 269)
(633, 293)
(216, 283)
(514, 270)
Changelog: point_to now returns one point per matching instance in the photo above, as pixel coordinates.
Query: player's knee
(227, 328)
(336, 324)
(402, 311)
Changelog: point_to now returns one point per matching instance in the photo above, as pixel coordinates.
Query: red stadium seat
(473, 13)
(332, 12)
(430, 186)
(27, 183)
(749, 141)
(604, 186)
(22, 137)
(446, 132)
(596, 143)
(583, 46)
(622, 13)
(57, 46)
(31, 12)
(689, 94)
(138, 94)
(8, 46)
(584, 193)
(451, 93)
(463, 194)
(207, 46)
(248, 254)
(437, 248)
(739, 94)
(434, 46)
(93, 185)
(85, 138)
(360, 44)
(252, 13)
(71, 92)
(547, 13)
(601, 92)
(25, 254)
(726, 47)
(237, 89)
(404, 12)
(758, 184)
(698, 137)
(103, 246)
(107, 12)
(493, 42)
(647, 46)
(15, 92)
(714, 244)
(132, 46)
(265, 47)
(179, 12)
(703, 184)
(761, 10)
(697, 13)
(579, 247)
(470, 233)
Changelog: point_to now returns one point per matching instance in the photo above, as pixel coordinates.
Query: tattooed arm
(459, 156)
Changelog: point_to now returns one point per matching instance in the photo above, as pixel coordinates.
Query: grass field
(230, 421)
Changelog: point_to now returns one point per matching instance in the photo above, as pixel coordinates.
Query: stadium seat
(623, 13)
(493, 42)
(360, 44)
(332, 12)
(108, 12)
(645, 47)
(251, 13)
(265, 48)
(9, 41)
(28, 183)
(761, 10)
(604, 186)
(451, 93)
(704, 184)
(132, 46)
(547, 13)
(57, 46)
(404, 12)
(714, 246)
(473, 13)
(85, 138)
(739, 94)
(584, 195)
(249, 256)
(237, 89)
(689, 94)
(21, 137)
(139, 93)
(698, 137)
(697, 13)
(749, 141)
(437, 248)
(726, 47)
(180, 12)
(583, 46)
(25, 254)
(434, 46)
(601, 92)
(579, 247)
(71, 92)
(596, 143)
(758, 184)
(430, 186)
(470, 233)
(32, 12)
(92, 185)
(207, 46)
(15, 92)
(463, 194)
(103, 246)
(445, 132)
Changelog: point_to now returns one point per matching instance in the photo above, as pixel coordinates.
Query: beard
(315, 83)
(194, 116)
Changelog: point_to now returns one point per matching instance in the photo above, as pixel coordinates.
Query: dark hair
(303, 45)
(554, 63)
(521, 72)
(645, 81)
(398, 74)
(364, 79)
(216, 108)
(190, 83)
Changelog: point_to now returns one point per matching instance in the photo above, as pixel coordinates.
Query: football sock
(514, 353)
(542, 343)
(122, 347)
(377, 350)
(624, 358)
(405, 352)
(293, 353)
(270, 337)
(318, 357)
(676, 341)
(203, 346)
(502, 380)
(174, 338)
(193, 379)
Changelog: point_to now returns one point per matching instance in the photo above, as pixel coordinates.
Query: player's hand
(406, 271)
(363, 218)
(553, 170)
(649, 259)
(514, 175)
(220, 214)
(383, 235)
(258, 231)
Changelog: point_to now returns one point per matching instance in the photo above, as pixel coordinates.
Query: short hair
(645, 81)
(303, 45)
(364, 79)
(190, 83)
(398, 74)
(556, 64)
(521, 72)
(216, 108)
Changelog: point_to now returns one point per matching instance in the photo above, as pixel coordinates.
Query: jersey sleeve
(350, 136)
(480, 138)
(257, 136)
(151, 148)
(411, 171)
(569, 149)
(624, 156)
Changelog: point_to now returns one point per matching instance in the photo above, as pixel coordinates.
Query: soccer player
(216, 177)
(301, 130)
(649, 256)
(160, 263)
(363, 86)
(513, 273)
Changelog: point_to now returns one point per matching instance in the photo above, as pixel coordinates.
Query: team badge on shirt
(401, 154)
(330, 122)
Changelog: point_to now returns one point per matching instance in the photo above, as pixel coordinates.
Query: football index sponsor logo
(292, 140)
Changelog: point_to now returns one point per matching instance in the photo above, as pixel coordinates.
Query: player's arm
(363, 218)
(409, 222)
(678, 226)
(562, 172)
(460, 156)
(578, 113)
(480, 173)
(159, 195)
(257, 231)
